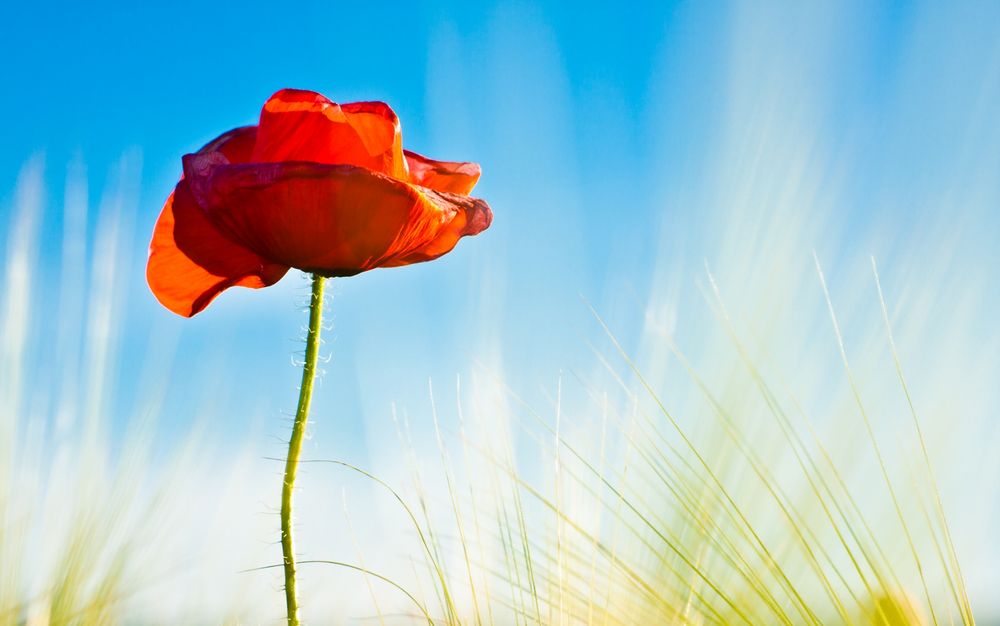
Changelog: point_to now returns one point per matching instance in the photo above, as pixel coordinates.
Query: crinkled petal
(474, 217)
(297, 125)
(335, 220)
(442, 175)
(191, 262)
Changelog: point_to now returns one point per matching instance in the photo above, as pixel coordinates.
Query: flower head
(317, 186)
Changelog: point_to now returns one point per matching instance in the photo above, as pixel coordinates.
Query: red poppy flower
(317, 186)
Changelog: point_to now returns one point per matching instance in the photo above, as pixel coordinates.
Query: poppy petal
(335, 220)
(298, 125)
(236, 145)
(442, 175)
(191, 262)
(474, 217)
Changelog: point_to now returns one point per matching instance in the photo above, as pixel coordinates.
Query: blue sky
(606, 136)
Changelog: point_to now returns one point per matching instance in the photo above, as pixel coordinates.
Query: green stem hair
(295, 446)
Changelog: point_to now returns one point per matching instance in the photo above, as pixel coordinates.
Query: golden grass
(615, 503)
(647, 519)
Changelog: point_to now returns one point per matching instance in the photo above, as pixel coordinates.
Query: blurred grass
(81, 509)
(685, 532)
(605, 506)
(643, 516)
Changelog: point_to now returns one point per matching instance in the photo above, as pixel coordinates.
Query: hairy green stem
(295, 447)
